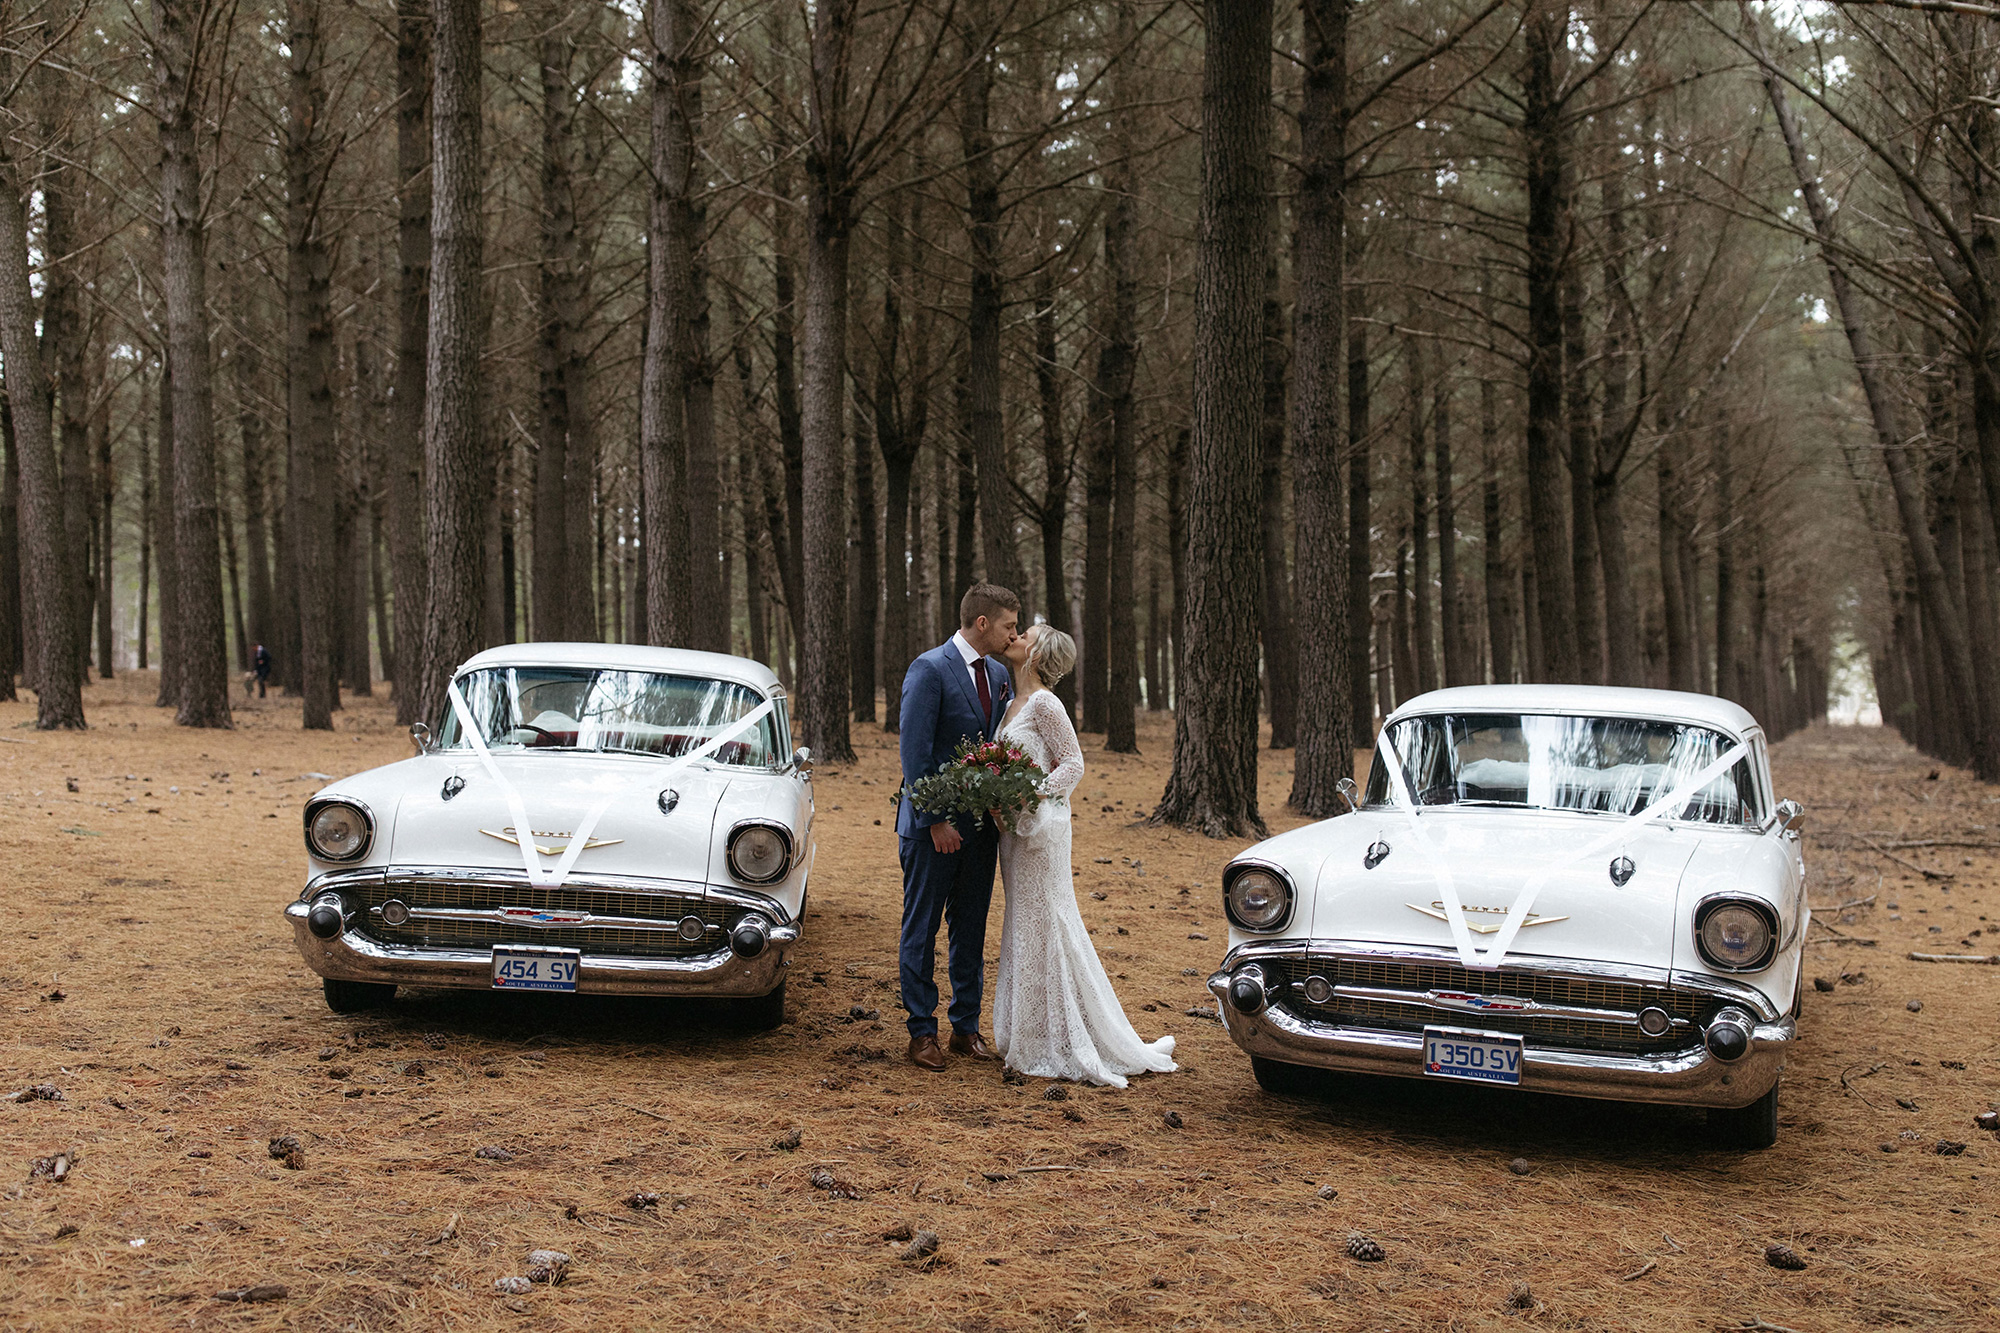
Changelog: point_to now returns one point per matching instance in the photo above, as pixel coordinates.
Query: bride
(1054, 1013)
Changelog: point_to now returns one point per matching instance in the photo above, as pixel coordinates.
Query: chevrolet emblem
(509, 835)
(1436, 909)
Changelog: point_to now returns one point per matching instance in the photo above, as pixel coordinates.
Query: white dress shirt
(975, 662)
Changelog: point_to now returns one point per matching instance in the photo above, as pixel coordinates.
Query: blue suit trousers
(958, 888)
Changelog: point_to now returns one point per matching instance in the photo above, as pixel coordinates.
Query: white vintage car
(1569, 889)
(589, 817)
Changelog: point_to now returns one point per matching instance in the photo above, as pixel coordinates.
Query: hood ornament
(1378, 852)
(1436, 909)
(509, 835)
(1622, 870)
(453, 785)
(669, 798)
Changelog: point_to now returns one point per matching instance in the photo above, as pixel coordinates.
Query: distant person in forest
(261, 661)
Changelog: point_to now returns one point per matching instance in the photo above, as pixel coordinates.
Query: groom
(954, 692)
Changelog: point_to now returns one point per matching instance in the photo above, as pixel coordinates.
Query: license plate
(526, 967)
(1483, 1057)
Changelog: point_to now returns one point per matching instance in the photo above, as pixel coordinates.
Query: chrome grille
(427, 892)
(1417, 978)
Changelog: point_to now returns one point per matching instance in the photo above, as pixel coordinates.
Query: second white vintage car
(1570, 889)
(585, 817)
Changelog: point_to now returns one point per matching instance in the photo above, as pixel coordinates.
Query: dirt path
(147, 975)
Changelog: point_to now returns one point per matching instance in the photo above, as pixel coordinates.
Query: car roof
(1585, 700)
(629, 657)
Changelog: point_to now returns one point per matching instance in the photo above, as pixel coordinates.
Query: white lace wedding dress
(1054, 1012)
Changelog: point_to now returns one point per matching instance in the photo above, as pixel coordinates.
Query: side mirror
(1350, 793)
(802, 761)
(420, 736)
(1790, 815)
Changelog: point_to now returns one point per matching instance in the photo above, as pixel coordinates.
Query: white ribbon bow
(1517, 915)
(524, 832)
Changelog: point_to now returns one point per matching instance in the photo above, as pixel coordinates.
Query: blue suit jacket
(940, 709)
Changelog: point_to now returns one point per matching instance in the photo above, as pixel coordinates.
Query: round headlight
(337, 831)
(1734, 936)
(758, 854)
(1259, 900)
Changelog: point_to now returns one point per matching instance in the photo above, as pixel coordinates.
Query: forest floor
(146, 973)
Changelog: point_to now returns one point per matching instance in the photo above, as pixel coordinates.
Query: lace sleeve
(1051, 723)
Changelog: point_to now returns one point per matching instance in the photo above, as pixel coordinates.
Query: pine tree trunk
(1360, 557)
(1281, 656)
(1546, 28)
(106, 501)
(47, 588)
(945, 619)
(1213, 789)
(1422, 624)
(1115, 368)
(552, 594)
(1680, 643)
(1725, 568)
(823, 693)
(64, 348)
(707, 595)
(900, 420)
(1057, 470)
(458, 500)
(663, 386)
(789, 540)
(1585, 571)
(1499, 572)
(10, 551)
(1461, 663)
(864, 585)
(198, 629)
(310, 469)
(982, 319)
(1099, 480)
(406, 487)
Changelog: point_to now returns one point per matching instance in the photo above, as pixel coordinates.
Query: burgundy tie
(985, 690)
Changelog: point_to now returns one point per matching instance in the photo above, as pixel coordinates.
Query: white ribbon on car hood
(1524, 901)
(524, 834)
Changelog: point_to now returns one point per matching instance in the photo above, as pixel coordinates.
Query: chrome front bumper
(353, 956)
(1685, 1077)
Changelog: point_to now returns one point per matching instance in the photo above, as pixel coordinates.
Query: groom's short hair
(985, 599)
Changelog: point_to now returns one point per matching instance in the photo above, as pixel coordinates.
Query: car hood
(1578, 913)
(632, 837)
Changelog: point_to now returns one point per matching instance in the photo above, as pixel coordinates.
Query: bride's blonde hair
(1052, 654)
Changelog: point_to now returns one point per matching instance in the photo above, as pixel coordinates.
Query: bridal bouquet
(984, 778)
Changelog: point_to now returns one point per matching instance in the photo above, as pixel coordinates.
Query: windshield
(1609, 764)
(624, 712)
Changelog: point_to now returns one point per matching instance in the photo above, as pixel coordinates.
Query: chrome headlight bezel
(319, 806)
(783, 864)
(1767, 916)
(1240, 878)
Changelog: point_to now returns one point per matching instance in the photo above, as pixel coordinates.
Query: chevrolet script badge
(1436, 909)
(509, 835)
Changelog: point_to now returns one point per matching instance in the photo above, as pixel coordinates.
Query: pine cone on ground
(1364, 1249)
(1785, 1257)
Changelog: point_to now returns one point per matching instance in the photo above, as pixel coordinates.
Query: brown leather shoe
(925, 1053)
(972, 1044)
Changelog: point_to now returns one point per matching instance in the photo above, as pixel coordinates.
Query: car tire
(761, 1014)
(1284, 1080)
(351, 997)
(1746, 1128)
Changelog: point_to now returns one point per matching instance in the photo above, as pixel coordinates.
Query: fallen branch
(1029, 1170)
(655, 1115)
(1759, 1326)
(1927, 874)
(16, 740)
(1641, 1271)
(1870, 1072)
(1842, 907)
(1991, 959)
